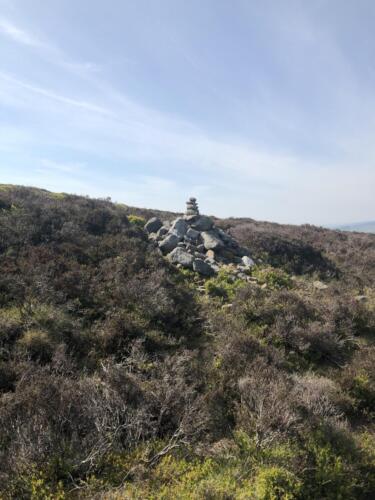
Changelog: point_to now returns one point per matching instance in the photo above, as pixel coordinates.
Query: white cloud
(18, 35)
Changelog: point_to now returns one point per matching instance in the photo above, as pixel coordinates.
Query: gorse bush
(124, 377)
(223, 286)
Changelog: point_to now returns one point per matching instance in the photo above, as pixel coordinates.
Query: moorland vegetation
(122, 376)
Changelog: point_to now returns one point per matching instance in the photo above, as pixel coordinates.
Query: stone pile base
(193, 242)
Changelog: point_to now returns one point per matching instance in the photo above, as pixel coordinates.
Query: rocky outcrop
(153, 225)
(194, 242)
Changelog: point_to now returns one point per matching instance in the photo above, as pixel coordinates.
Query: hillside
(363, 227)
(123, 376)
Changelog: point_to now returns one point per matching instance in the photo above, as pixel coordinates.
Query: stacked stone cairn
(193, 241)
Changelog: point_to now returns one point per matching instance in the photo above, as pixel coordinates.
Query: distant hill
(361, 227)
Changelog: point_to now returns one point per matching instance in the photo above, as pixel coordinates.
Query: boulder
(202, 223)
(182, 257)
(192, 234)
(202, 267)
(162, 231)
(247, 261)
(179, 227)
(153, 225)
(169, 243)
(211, 241)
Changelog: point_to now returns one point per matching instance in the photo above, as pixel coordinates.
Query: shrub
(274, 278)
(274, 483)
(37, 344)
(136, 220)
(223, 286)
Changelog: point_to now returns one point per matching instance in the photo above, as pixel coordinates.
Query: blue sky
(263, 109)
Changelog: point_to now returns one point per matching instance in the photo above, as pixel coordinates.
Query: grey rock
(192, 234)
(201, 248)
(202, 223)
(153, 225)
(180, 256)
(179, 227)
(199, 255)
(202, 267)
(248, 261)
(211, 241)
(191, 248)
(169, 243)
(162, 231)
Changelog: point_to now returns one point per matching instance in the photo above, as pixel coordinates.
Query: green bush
(276, 483)
(275, 279)
(223, 286)
(136, 220)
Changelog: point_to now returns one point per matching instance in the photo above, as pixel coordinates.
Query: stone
(199, 255)
(361, 298)
(211, 241)
(169, 243)
(202, 267)
(179, 228)
(224, 236)
(319, 285)
(192, 207)
(162, 232)
(153, 225)
(210, 254)
(182, 257)
(201, 248)
(192, 234)
(202, 223)
(247, 261)
(226, 254)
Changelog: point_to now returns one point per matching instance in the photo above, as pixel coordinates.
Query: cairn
(192, 207)
(194, 242)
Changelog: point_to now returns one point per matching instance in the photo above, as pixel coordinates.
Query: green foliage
(333, 477)
(363, 391)
(136, 220)
(274, 483)
(274, 278)
(223, 286)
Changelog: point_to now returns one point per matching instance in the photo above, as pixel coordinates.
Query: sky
(262, 109)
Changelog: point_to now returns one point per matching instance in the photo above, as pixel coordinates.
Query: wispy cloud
(94, 137)
(18, 35)
(54, 96)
